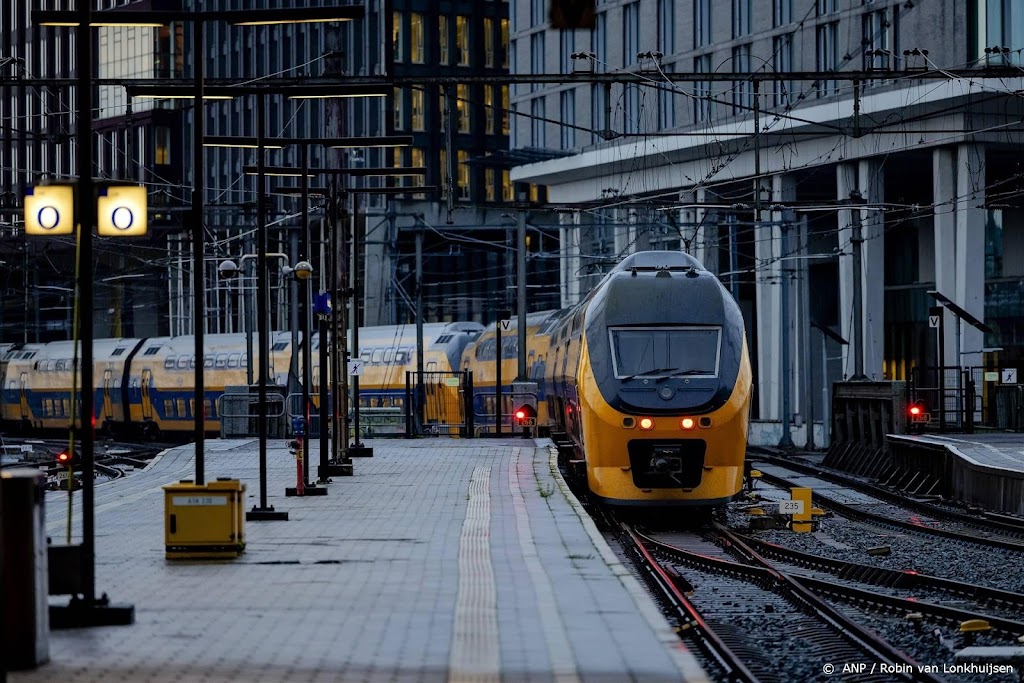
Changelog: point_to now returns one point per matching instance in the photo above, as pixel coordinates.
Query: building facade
(750, 177)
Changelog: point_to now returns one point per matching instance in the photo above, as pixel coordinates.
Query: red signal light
(520, 414)
(915, 410)
(63, 458)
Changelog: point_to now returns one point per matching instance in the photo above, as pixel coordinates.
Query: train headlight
(646, 423)
(687, 423)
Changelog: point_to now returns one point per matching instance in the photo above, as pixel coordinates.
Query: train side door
(108, 405)
(23, 395)
(147, 403)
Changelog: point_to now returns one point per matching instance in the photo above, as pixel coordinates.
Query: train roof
(658, 260)
(102, 349)
(401, 335)
(537, 318)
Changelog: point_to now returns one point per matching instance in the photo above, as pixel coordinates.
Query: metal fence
(439, 403)
(961, 399)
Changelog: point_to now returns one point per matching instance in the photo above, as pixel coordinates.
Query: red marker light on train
(646, 423)
(687, 423)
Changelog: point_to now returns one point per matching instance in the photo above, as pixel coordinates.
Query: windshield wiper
(683, 373)
(648, 372)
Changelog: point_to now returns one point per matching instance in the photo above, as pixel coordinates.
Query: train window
(665, 351)
(389, 355)
(51, 365)
(279, 346)
(221, 361)
(377, 355)
(210, 408)
(60, 365)
(183, 362)
(181, 408)
(208, 360)
(118, 352)
(191, 407)
(401, 357)
(397, 401)
(233, 360)
(151, 351)
(365, 356)
(168, 407)
(169, 362)
(244, 363)
(432, 366)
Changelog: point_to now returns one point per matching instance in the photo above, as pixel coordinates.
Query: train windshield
(666, 351)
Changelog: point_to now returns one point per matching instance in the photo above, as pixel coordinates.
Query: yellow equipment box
(204, 522)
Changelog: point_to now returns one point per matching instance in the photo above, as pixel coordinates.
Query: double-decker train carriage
(650, 380)
(482, 356)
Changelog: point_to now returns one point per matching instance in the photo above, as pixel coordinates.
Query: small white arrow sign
(505, 324)
(933, 321)
(355, 367)
(1009, 375)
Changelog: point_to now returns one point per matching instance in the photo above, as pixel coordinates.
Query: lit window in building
(163, 145)
(418, 159)
(416, 47)
(489, 185)
(504, 43)
(463, 157)
(396, 36)
(462, 107)
(504, 110)
(488, 42)
(462, 40)
(442, 45)
(418, 122)
(534, 193)
(399, 107)
(506, 186)
(489, 109)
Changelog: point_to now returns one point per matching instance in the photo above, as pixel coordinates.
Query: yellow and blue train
(648, 378)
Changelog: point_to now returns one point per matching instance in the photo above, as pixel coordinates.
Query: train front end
(664, 387)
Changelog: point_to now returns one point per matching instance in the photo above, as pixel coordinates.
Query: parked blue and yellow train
(146, 386)
(648, 377)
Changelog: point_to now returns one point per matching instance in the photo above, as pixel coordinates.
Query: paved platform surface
(1000, 450)
(440, 560)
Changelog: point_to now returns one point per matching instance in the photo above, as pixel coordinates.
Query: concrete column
(970, 246)
(378, 270)
(872, 186)
(705, 231)
(846, 182)
(945, 226)
(571, 274)
(768, 271)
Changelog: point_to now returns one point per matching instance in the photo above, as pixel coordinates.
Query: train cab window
(233, 360)
(279, 346)
(208, 360)
(151, 351)
(665, 351)
(169, 362)
(377, 355)
(389, 355)
(183, 362)
(221, 361)
(118, 352)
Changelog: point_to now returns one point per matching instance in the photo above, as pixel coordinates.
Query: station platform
(439, 560)
(984, 469)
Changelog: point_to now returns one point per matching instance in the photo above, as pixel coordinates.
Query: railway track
(1005, 525)
(945, 524)
(738, 606)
